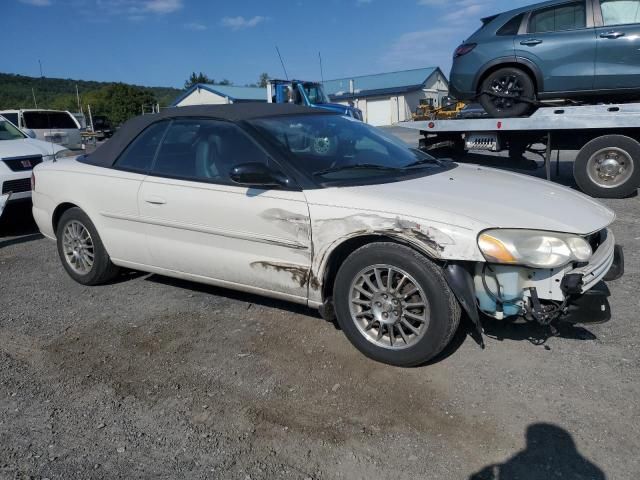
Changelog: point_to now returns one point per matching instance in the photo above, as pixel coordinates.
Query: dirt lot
(157, 378)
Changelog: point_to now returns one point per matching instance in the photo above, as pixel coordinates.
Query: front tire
(513, 85)
(81, 250)
(394, 304)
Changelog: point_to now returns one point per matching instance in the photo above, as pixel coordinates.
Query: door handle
(531, 43)
(612, 35)
(153, 200)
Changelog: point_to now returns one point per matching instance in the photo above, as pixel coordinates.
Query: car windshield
(334, 148)
(8, 131)
(45, 119)
(315, 94)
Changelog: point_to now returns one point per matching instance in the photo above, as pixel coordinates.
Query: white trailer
(606, 136)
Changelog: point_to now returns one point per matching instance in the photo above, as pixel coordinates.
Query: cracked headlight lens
(533, 248)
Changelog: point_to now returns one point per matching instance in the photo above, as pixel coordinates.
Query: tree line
(196, 78)
(117, 101)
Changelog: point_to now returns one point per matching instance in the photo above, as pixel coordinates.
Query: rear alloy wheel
(394, 304)
(507, 92)
(81, 250)
(608, 167)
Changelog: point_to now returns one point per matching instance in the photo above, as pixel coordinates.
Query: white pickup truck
(18, 155)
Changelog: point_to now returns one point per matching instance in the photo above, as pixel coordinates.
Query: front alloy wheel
(394, 304)
(389, 307)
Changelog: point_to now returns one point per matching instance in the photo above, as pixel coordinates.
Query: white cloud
(427, 48)
(198, 27)
(37, 3)
(163, 6)
(239, 22)
(132, 9)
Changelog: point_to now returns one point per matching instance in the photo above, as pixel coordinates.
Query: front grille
(21, 164)
(17, 186)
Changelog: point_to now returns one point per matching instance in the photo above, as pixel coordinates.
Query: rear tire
(419, 332)
(81, 250)
(608, 167)
(509, 81)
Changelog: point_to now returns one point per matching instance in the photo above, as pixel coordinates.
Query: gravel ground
(151, 377)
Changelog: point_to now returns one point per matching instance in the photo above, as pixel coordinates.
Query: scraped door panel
(243, 236)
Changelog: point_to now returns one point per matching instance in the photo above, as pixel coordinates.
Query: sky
(160, 42)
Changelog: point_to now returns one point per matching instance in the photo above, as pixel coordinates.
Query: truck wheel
(394, 304)
(82, 253)
(608, 167)
(514, 84)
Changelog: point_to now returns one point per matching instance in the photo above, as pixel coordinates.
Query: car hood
(475, 197)
(27, 146)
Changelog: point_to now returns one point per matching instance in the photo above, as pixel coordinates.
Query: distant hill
(16, 92)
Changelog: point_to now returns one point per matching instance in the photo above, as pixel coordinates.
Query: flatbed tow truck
(606, 136)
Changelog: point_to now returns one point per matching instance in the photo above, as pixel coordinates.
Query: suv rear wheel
(510, 86)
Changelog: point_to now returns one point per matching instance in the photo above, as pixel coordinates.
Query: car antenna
(321, 74)
(282, 62)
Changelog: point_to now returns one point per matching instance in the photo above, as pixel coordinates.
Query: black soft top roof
(107, 153)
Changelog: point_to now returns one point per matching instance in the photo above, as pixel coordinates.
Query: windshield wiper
(422, 162)
(358, 166)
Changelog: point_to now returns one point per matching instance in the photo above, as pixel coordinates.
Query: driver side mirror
(256, 174)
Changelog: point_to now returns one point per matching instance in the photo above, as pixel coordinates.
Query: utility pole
(33, 92)
(40, 63)
(78, 98)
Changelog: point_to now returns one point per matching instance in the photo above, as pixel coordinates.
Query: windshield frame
(12, 128)
(308, 181)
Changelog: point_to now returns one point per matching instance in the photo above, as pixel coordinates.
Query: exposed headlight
(533, 248)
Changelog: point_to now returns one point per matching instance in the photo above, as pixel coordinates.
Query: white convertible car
(316, 208)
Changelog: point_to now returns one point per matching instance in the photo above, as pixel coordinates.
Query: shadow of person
(550, 452)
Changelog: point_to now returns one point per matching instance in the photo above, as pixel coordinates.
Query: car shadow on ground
(17, 225)
(248, 298)
(499, 330)
(550, 452)
(532, 331)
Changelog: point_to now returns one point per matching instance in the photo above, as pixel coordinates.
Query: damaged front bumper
(573, 293)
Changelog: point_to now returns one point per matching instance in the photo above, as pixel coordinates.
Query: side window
(138, 156)
(511, 27)
(205, 150)
(568, 16)
(620, 12)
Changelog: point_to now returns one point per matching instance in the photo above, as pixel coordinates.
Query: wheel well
(520, 66)
(346, 248)
(57, 213)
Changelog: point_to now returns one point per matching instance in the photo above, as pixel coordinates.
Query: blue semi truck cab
(310, 94)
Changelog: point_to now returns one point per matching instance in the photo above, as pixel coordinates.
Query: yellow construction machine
(449, 109)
